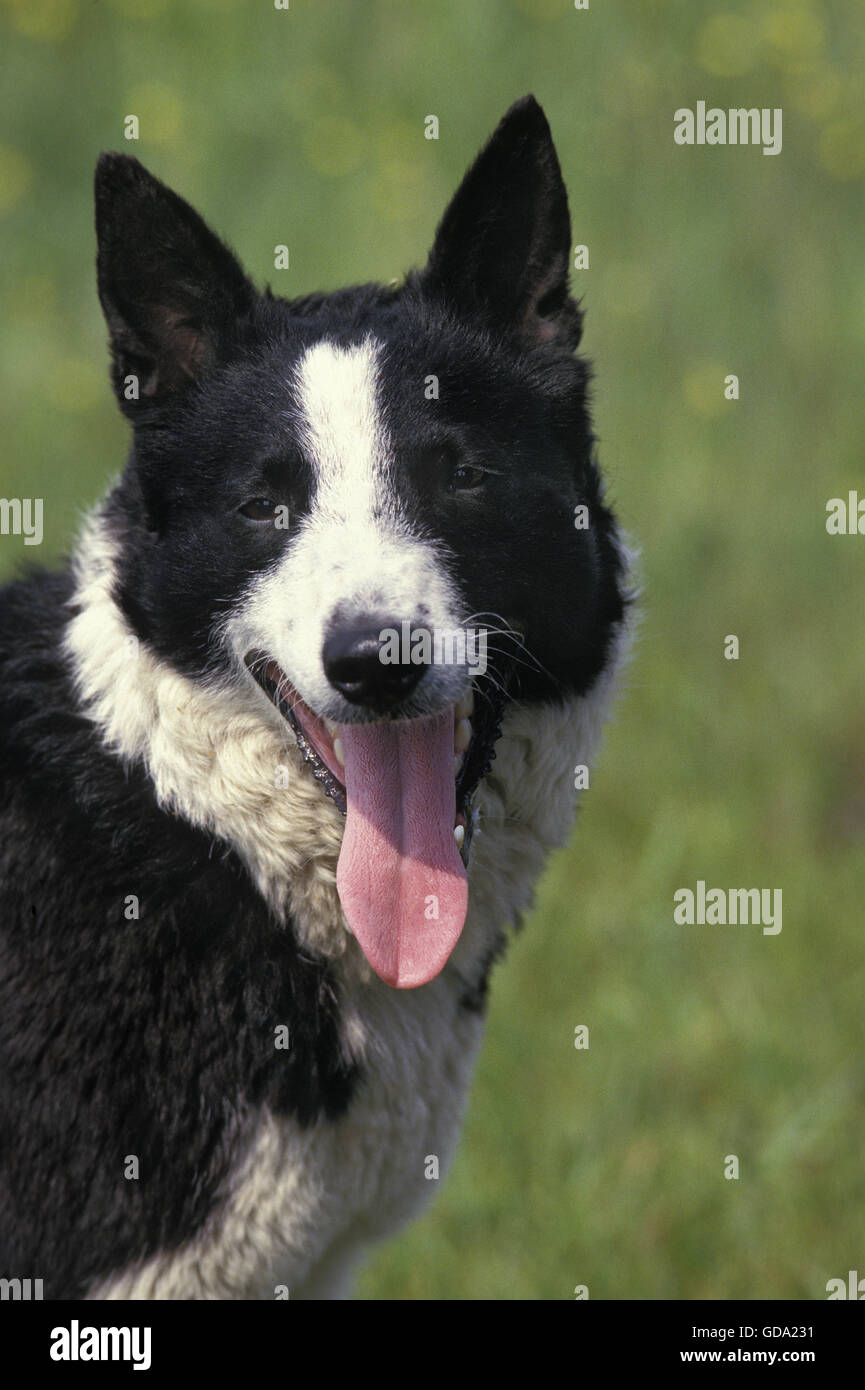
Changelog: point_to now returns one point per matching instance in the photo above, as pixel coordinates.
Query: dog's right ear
(171, 292)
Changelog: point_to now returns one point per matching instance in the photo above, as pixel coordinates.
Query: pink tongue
(400, 878)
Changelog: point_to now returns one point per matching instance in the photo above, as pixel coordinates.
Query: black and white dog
(261, 828)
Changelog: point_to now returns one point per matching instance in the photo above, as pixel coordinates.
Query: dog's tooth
(330, 724)
(465, 705)
(462, 735)
(338, 751)
(458, 762)
(459, 835)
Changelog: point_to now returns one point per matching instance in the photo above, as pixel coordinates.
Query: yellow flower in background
(728, 45)
(703, 389)
(795, 36)
(160, 114)
(48, 20)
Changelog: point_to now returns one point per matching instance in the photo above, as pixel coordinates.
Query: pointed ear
(170, 291)
(502, 250)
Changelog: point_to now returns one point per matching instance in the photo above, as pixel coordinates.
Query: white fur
(302, 1205)
(305, 1204)
(354, 554)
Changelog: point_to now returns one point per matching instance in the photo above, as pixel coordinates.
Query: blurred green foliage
(601, 1167)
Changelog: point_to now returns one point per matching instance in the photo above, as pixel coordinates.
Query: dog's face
(369, 507)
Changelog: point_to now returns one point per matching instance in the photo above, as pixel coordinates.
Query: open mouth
(405, 788)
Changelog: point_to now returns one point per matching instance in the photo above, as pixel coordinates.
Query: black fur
(150, 1037)
(215, 425)
(155, 1036)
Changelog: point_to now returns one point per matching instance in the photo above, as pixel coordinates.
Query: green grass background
(601, 1167)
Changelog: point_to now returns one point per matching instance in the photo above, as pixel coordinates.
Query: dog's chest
(302, 1204)
(366, 1174)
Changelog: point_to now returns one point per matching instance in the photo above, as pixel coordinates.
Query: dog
(263, 833)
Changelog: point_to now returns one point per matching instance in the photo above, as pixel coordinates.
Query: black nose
(352, 657)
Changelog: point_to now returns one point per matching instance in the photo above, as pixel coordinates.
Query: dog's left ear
(502, 249)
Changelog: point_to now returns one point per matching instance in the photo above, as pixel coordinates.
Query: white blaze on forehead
(344, 434)
(355, 553)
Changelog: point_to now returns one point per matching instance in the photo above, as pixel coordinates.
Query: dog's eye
(464, 477)
(259, 509)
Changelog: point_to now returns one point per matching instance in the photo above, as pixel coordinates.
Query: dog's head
(377, 509)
